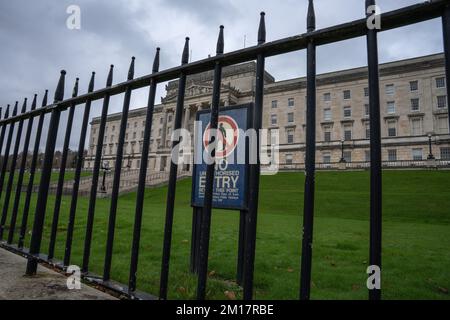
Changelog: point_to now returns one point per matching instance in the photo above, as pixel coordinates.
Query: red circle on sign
(227, 136)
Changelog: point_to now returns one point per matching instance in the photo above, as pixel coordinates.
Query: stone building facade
(414, 108)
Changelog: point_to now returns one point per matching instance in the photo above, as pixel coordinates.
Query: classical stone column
(187, 116)
(164, 129)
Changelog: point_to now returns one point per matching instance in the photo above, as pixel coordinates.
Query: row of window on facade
(416, 130)
(389, 90)
(417, 154)
(441, 103)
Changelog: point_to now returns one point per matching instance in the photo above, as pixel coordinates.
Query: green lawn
(416, 238)
(69, 175)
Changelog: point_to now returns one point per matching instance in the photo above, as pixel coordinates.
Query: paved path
(46, 285)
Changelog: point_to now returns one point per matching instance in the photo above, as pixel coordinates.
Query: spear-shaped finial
(311, 18)
(369, 3)
(15, 109)
(91, 83)
(7, 112)
(185, 56)
(33, 104)
(220, 42)
(75, 88)
(131, 70)
(59, 93)
(24, 106)
(156, 61)
(262, 29)
(109, 80)
(44, 100)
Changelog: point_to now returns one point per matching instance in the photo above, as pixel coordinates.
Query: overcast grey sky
(36, 43)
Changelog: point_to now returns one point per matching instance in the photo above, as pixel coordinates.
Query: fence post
(26, 208)
(2, 135)
(253, 193)
(77, 176)
(142, 176)
(26, 144)
(310, 161)
(117, 171)
(172, 182)
(209, 181)
(38, 225)
(62, 171)
(95, 175)
(12, 170)
(8, 147)
(375, 153)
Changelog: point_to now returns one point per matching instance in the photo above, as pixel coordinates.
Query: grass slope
(416, 238)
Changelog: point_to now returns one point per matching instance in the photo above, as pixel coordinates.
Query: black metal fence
(309, 41)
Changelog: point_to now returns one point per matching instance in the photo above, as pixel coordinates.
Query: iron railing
(309, 41)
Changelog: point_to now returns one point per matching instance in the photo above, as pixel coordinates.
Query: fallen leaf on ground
(230, 295)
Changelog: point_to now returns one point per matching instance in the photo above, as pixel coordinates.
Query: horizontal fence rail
(118, 179)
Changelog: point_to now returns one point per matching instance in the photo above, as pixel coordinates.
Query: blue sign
(230, 174)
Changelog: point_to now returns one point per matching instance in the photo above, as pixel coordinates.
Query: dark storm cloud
(36, 44)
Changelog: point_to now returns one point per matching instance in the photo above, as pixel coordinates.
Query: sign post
(231, 173)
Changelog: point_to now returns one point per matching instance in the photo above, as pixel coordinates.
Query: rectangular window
(327, 134)
(416, 127)
(134, 135)
(413, 85)
(442, 124)
(161, 120)
(445, 153)
(440, 82)
(392, 155)
(390, 89)
(366, 110)
(327, 114)
(274, 104)
(326, 157)
(415, 104)
(113, 128)
(367, 131)
(290, 135)
(290, 102)
(347, 94)
(347, 133)
(327, 97)
(273, 119)
(367, 155)
(169, 118)
(366, 92)
(392, 128)
(348, 156)
(142, 134)
(347, 112)
(135, 124)
(289, 158)
(112, 138)
(391, 107)
(290, 117)
(417, 154)
(442, 102)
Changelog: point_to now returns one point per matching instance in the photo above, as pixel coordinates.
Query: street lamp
(105, 168)
(430, 155)
(342, 152)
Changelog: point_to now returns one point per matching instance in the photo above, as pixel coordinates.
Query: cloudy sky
(36, 43)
